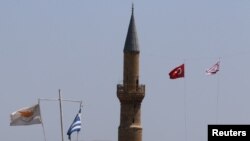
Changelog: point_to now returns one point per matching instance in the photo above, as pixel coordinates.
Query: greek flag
(76, 125)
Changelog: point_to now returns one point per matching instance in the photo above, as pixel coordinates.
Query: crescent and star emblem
(178, 71)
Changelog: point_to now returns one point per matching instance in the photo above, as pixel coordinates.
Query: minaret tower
(130, 93)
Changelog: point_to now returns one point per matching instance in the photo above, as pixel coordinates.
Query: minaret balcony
(128, 95)
(122, 88)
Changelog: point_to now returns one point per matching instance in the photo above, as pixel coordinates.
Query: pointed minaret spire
(132, 8)
(131, 43)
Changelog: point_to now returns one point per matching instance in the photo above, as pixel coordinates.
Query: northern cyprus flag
(214, 69)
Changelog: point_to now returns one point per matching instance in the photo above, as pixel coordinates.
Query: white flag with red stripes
(214, 69)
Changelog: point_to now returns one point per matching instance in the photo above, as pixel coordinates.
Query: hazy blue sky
(77, 46)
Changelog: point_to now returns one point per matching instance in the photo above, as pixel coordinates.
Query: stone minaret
(130, 93)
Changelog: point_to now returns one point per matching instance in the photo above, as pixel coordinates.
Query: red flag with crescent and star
(177, 72)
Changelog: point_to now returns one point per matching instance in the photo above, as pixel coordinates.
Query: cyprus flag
(26, 116)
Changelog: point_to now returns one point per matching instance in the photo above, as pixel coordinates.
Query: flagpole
(217, 100)
(185, 105)
(42, 121)
(218, 94)
(61, 117)
(80, 117)
(81, 105)
(77, 136)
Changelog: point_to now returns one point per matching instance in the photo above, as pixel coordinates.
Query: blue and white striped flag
(76, 125)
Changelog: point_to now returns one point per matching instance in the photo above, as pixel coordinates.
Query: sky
(77, 46)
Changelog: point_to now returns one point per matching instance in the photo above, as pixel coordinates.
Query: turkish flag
(177, 72)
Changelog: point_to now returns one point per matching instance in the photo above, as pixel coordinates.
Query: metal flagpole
(185, 101)
(61, 117)
(61, 111)
(185, 108)
(77, 136)
(217, 98)
(80, 117)
(42, 121)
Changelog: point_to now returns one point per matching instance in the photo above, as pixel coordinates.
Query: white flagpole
(61, 117)
(185, 102)
(218, 95)
(42, 121)
(217, 100)
(77, 136)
